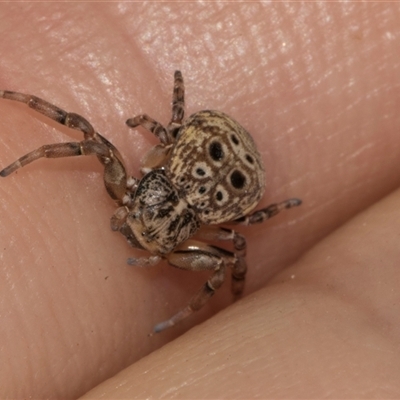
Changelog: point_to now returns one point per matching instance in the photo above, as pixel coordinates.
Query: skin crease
(317, 87)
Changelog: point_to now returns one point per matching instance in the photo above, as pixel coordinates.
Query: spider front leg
(198, 256)
(57, 150)
(93, 144)
(71, 120)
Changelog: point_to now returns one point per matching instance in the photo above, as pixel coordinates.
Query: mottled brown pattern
(203, 135)
(160, 218)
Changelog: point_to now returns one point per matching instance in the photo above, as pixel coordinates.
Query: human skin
(317, 87)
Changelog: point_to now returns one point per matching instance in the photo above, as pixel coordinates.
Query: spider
(205, 171)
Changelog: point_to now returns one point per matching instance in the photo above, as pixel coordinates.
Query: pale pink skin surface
(318, 88)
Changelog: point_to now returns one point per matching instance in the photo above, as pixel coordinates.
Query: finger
(326, 327)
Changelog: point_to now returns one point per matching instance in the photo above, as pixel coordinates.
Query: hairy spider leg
(165, 135)
(115, 178)
(259, 216)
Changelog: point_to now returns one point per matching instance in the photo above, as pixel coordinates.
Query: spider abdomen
(216, 167)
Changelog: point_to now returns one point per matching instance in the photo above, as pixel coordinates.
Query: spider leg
(119, 218)
(152, 126)
(71, 120)
(165, 135)
(197, 256)
(144, 261)
(118, 223)
(262, 215)
(178, 104)
(57, 150)
(93, 144)
(239, 268)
